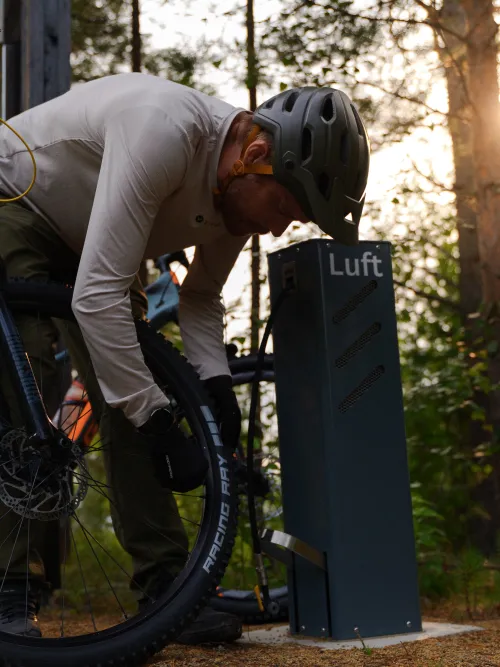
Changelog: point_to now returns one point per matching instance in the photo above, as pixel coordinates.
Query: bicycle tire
(133, 642)
(244, 603)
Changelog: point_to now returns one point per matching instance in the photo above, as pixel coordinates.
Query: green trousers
(145, 516)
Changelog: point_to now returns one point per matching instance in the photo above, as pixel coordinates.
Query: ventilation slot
(353, 303)
(306, 144)
(290, 101)
(361, 389)
(344, 149)
(269, 103)
(324, 184)
(358, 345)
(358, 121)
(327, 111)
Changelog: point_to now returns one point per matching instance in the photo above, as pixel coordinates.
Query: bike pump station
(36, 43)
(348, 538)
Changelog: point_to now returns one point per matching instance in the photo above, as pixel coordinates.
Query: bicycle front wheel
(94, 618)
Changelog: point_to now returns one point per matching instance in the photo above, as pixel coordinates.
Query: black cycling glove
(178, 460)
(227, 410)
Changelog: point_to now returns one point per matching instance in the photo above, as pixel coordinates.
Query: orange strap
(240, 169)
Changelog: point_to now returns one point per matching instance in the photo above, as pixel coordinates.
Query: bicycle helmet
(321, 155)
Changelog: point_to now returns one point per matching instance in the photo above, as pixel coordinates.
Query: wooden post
(36, 46)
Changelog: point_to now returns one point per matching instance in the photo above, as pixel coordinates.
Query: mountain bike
(46, 476)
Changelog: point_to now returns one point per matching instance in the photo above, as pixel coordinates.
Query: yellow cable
(3, 201)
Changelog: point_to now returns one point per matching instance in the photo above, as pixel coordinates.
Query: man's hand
(228, 413)
(179, 462)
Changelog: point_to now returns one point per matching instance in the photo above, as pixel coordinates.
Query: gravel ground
(478, 649)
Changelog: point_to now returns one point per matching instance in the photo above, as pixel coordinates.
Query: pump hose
(11, 199)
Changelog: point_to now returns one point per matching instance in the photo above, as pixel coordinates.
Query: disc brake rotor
(36, 488)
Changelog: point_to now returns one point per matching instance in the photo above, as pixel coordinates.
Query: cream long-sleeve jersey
(126, 168)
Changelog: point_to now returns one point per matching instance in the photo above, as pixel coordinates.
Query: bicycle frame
(20, 372)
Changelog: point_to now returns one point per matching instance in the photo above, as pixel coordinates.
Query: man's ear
(258, 151)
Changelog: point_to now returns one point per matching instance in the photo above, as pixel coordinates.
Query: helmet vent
(327, 112)
(269, 103)
(344, 149)
(289, 103)
(358, 121)
(306, 144)
(324, 184)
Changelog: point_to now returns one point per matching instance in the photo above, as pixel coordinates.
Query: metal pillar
(36, 43)
(345, 482)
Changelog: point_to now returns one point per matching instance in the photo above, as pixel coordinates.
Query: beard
(233, 211)
(236, 209)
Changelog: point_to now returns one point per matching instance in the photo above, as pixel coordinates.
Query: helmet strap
(239, 168)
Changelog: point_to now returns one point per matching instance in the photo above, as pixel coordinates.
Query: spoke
(83, 401)
(63, 426)
(63, 578)
(86, 533)
(17, 536)
(80, 440)
(83, 580)
(80, 415)
(27, 577)
(166, 537)
(12, 530)
(187, 495)
(189, 521)
(131, 578)
(92, 481)
(97, 489)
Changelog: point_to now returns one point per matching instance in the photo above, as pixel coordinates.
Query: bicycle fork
(20, 372)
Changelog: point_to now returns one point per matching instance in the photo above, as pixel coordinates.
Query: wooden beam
(57, 46)
(32, 53)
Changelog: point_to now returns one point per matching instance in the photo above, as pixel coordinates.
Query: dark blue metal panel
(342, 438)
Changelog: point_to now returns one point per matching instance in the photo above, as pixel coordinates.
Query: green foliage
(431, 544)
(444, 374)
(182, 65)
(320, 41)
(100, 40)
(101, 45)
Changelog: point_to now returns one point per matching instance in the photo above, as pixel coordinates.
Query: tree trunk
(136, 67)
(485, 122)
(481, 53)
(255, 263)
(136, 37)
(453, 57)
